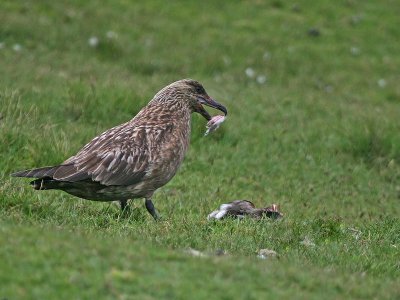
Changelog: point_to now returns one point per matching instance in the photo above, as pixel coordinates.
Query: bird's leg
(123, 204)
(151, 209)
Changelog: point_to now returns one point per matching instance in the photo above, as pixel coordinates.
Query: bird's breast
(169, 152)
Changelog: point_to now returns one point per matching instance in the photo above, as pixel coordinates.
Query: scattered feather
(93, 41)
(355, 51)
(261, 79)
(111, 35)
(382, 83)
(250, 72)
(17, 47)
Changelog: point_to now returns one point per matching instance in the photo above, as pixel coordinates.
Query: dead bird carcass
(242, 208)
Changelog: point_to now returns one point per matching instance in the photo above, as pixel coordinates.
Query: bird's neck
(155, 113)
(175, 117)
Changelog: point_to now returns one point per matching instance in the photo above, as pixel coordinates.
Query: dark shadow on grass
(84, 212)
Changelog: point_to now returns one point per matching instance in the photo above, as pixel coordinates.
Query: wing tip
(32, 173)
(20, 173)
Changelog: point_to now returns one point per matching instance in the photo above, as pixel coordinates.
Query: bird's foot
(152, 210)
(124, 206)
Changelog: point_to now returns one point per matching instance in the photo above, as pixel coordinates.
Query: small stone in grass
(307, 242)
(195, 252)
(266, 253)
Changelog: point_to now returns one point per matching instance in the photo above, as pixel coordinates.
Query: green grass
(320, 137)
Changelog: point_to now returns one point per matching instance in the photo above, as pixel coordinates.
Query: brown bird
(242, 208)
(134, 159)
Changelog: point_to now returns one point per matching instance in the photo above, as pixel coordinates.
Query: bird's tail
(45, 183)
(36, 173)
(45, 179)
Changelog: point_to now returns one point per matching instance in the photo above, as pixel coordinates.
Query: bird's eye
(200, 90)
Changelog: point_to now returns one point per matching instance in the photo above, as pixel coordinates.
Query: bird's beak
(208, 101)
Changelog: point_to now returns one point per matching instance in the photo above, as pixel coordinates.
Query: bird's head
(191, 94)
(272, 211)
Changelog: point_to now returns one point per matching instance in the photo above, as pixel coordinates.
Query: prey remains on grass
(242, 208)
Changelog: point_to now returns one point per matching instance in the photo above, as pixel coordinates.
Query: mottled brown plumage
(136, 158)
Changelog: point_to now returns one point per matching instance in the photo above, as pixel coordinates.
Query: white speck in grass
(1, 45)
(111, 35)
(250, 72)
(261, 79)
(307, 242)
(93, 41)
(266, 253)
(266, 56)
(355, 51)
(194, 252)
(382, 83)
(17, 47)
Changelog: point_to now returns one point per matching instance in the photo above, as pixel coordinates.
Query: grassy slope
(320, 137)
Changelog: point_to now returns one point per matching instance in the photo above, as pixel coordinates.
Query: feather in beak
(216, 121)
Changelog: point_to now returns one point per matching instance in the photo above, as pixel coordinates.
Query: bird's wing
(122, 155)
(243, 204)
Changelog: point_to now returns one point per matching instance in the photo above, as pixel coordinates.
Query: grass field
(314, 104)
